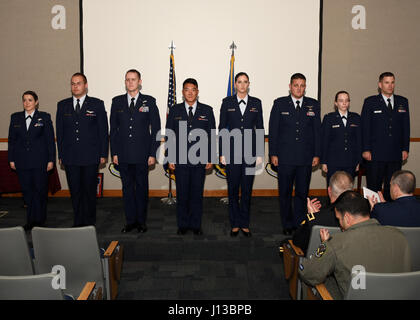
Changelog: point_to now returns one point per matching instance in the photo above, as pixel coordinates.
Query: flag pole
(233, 46)
(170, 200)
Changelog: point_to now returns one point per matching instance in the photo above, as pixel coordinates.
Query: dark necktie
(132, 105)
(190, 114)
(28, 117)
(78, 106)
(389, 104)
(297, 105)
(242, 101)
(344, 118)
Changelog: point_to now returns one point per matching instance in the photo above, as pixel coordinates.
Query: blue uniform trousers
(189, 194)
(135, 186)
(239, 211)
(287, 175)
(82, 181)
(34, 184)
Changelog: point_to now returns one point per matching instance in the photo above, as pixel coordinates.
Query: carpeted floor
(163, 265)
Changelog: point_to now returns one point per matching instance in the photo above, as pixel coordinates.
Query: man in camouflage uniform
(364, 242)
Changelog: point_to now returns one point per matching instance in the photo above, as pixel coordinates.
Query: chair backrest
(76, 249)
(413, 238)
(14, 253)
(33, 287)
(386, 286)
(315, 239)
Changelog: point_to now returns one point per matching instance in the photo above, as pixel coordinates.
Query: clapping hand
(313, 205)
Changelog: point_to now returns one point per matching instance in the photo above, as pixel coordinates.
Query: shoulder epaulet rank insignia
(310, 216)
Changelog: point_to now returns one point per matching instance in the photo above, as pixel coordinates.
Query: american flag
(171, 98)
(172, 84)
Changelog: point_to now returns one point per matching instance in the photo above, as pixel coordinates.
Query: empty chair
(413, 238)
(40, 287)
(14, 252)
(77, 250)
(387, 286)
(33, 287)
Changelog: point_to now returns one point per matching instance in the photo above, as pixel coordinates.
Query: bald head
(405, 182)
(340, 182)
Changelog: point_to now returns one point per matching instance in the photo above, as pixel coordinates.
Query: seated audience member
(363, 242)
(340, 181)
(404, 211)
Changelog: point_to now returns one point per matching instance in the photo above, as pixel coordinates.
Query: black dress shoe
(181, 231)
(234, 233)
(198, 232)
(142, 228)
(128, 228)
(246, 233)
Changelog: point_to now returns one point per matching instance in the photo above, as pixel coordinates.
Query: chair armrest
(323, 292)
(113, 258)
(111, 248)
(88, 292)
(291, 257)
(298, 251)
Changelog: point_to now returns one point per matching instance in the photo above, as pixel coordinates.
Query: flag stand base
(170, 200)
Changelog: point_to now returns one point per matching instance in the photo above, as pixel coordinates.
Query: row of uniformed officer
(82, 140)
(295, 141)
(381, 136)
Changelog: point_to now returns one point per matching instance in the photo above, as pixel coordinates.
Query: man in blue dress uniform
(82, 141)
(134, 124)
(386, 134)
(404, 210)
(190, 169)
(294, 147)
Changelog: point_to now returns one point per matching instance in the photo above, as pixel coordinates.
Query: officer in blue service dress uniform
(294, 147)
(134, 124)
(82, 141)
(31, 152)
(240, 112)
(385, 134)
(189, 174)
(341, 138)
